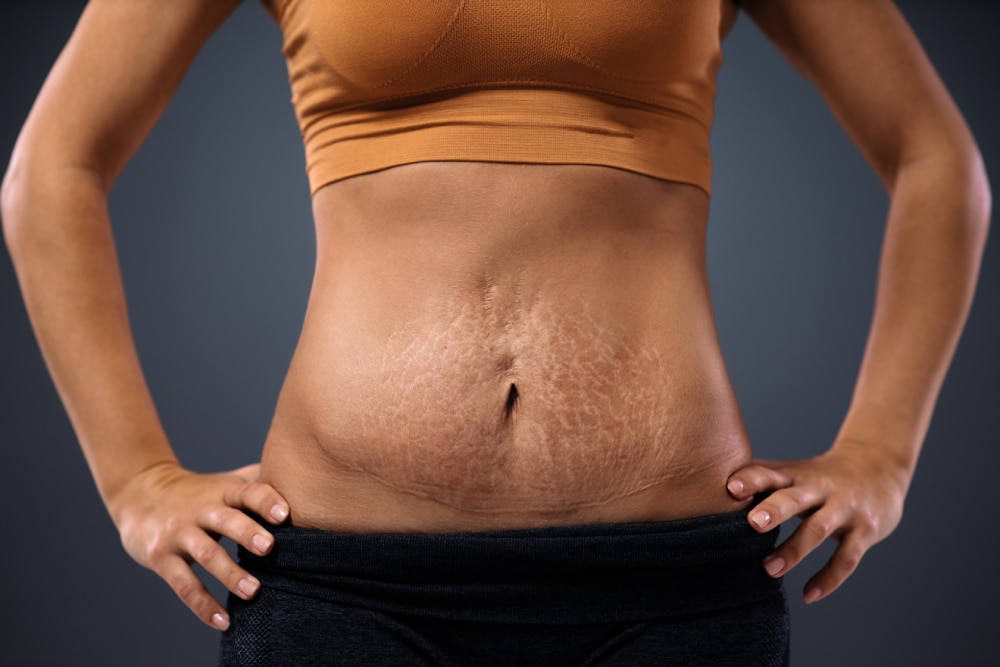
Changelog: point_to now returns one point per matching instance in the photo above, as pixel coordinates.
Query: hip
(616, 594)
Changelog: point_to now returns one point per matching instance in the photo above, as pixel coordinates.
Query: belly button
(512, 396)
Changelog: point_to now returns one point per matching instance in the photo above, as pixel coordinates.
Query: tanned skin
(493, 346)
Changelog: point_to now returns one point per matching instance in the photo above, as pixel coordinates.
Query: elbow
(14, 196)
(976, 202)
(41, 200)
(975, 196)
(980, 193)
(46, 187)
(953, 174)
(10, 201)
(15, 205)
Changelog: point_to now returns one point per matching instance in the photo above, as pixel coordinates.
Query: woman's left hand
(851, 493)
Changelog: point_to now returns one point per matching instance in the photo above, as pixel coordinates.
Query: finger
(755, 478)
(260, 498)
(248, 473)
(840, 566)
(237, 526)
(769, 463)
(181, 578)
(811, 533)
(784, 504)
(217, 562)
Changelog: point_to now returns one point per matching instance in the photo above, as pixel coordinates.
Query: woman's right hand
(169, 517)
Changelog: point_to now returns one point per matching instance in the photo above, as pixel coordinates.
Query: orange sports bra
(625, 83)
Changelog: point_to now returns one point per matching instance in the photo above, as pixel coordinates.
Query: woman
(493, 346)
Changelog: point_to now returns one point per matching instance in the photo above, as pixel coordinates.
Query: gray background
(212, 219)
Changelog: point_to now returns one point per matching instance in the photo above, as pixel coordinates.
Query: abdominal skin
(496, 345)
(595, 416)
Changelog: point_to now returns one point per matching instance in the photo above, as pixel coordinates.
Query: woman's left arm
(873, 73)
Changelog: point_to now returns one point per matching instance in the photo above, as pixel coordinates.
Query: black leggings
(690, 592)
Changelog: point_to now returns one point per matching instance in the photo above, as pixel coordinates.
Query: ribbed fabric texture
(551, 596)
(377, 84)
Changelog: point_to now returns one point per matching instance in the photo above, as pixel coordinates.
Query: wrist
(117, 496)
(890, 462)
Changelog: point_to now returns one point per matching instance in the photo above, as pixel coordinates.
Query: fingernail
(760, 519)
(220, 621)
(261, 543)
(813, 595)
(735, 487)
(248, 587)
(774, 566)
(279, 513)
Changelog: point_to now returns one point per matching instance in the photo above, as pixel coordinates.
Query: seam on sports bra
(558, 86)
(433, 47)
(586, 129)
(581, 56)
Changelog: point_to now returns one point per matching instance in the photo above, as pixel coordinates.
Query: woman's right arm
(112, 81)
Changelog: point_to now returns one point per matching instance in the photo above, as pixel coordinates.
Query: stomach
(493, 346)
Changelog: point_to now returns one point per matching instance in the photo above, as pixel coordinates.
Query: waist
(624, 572)
(493, 346)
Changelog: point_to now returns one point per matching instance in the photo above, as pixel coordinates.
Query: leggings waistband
(625, 572)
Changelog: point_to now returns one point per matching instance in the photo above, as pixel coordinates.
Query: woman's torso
(499, 345)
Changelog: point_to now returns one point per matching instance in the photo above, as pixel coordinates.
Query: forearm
(933, 244)
(59, 236)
